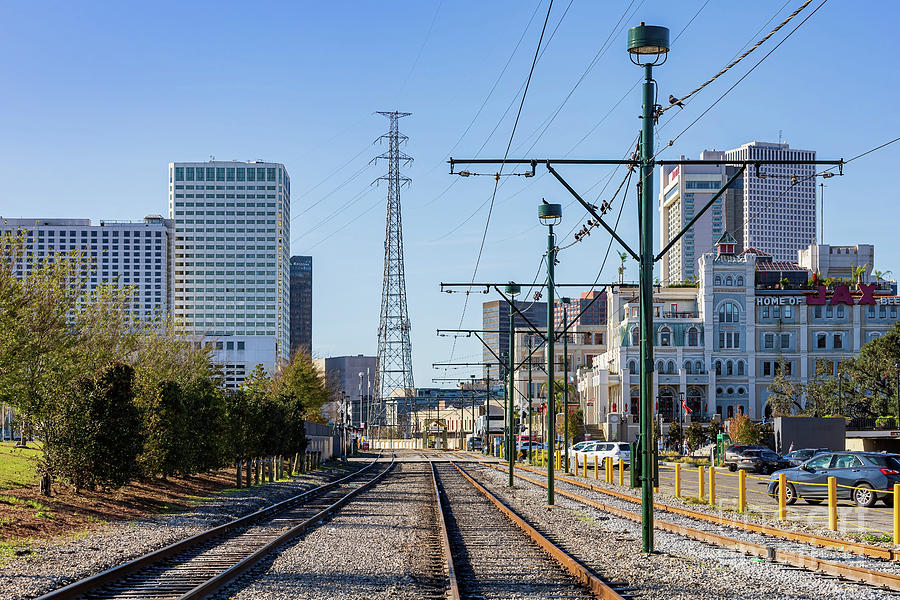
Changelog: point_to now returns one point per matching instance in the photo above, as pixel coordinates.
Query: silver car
(866, 477)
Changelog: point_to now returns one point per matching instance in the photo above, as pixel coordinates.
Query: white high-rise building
(779, 203)
(130, 253)
(232, 270)
(684, 191)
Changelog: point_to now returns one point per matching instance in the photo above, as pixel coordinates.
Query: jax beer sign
(840, 295)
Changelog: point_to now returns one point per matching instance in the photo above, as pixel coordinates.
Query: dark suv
(760, 461)
(798, 457)
(733, 454)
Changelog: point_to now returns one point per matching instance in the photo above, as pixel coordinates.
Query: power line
(744, 76)
(506, 154)
(421, 48)
(742, 56)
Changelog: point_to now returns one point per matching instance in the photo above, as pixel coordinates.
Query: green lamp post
(550, 215)
(512, 290)
(648, 46)
(565, 332)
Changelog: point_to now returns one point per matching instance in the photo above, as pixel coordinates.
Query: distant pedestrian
(685, 449)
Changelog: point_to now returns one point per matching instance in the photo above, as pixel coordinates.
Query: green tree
(96, 436)
(744, 431)
(785, 395)
(696, 436)
(676, 434)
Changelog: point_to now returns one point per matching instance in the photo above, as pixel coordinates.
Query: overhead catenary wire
(727, 67)
(500, 170)
(744, 76)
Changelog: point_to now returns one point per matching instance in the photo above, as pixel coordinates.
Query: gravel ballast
(55, 563)
(374, 547)
(682, 568)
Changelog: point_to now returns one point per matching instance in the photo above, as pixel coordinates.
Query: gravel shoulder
(55, 563)
(375, 547)
(682, 568)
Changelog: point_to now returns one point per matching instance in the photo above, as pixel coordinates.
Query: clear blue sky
(98, 97)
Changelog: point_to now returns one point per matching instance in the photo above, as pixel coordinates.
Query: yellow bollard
(742, 491)
(585, 466)
(678, 480)
(608, 462)
(621, 472)
(701, 485)
(782, 497)
(712, 486)
(897, 513)
(832, 506)
(596, 467)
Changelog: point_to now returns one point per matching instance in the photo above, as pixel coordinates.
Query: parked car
(578, 450)
(473, 444)
(580, 445)
(760, 461)
(867, 477)
(604, 450)
(522, 448)
(798, 457)
(733, 454)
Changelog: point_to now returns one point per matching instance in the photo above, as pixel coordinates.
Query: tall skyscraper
(353, 378)
(132, 253)
(683, 191)
(232, 273)
(301, 304)
(779, 202)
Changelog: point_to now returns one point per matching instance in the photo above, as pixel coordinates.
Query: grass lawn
(17, 465)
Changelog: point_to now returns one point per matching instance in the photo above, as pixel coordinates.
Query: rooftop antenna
(779, 137)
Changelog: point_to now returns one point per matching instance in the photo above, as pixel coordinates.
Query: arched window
(670, 367)
(666, 404)
(659, 367)
(635, 401)
(740, 280)
(719, 368)
(729, 312)
(717, 280)
(635, 336)
(632, 367)
(665, 336)
(693, 337)
(740, 367)
(729, 281)
(698, 367)
(729, 368)
(687, 367)
(694, 401)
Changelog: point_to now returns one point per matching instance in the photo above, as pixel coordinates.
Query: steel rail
(224, 578)
(453, 591)
(869, 576)
(598, 587)
(78, 588)
(858, 548)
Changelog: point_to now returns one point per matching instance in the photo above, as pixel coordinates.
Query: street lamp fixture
(647, 40)
(550, 215)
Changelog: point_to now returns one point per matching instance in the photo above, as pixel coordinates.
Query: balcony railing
(681, 315)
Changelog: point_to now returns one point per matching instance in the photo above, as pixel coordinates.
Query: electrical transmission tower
(394, 350)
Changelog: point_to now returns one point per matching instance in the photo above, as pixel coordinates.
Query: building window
(829, 312)
(838, 340)
(718, 280)
(729, 368)
(769, 341)
(179, 173)
(670, 367)
(820, 340)
(871, 312)
(665, 337)
(632, 367)
(693, 337)
(840, 311)
(729, 313)
(785, 341)
(740, 367)
(687, 367)
(698, 367)
(765, 312)
(776, 311)
(729, 281)
(220, 173)
(740, 280)
(788, 313)
(719, 368)
(767, 369)
(818, 312)
(635, 336)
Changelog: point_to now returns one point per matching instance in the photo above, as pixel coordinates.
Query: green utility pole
(512, 290)
(566, 394)
(643, 41)
(530, 407)
(550, 215)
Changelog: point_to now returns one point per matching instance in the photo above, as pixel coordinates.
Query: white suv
(603, 450)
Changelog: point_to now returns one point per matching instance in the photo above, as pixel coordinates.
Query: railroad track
(768, 550)
(491, 554)
(203, 564)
